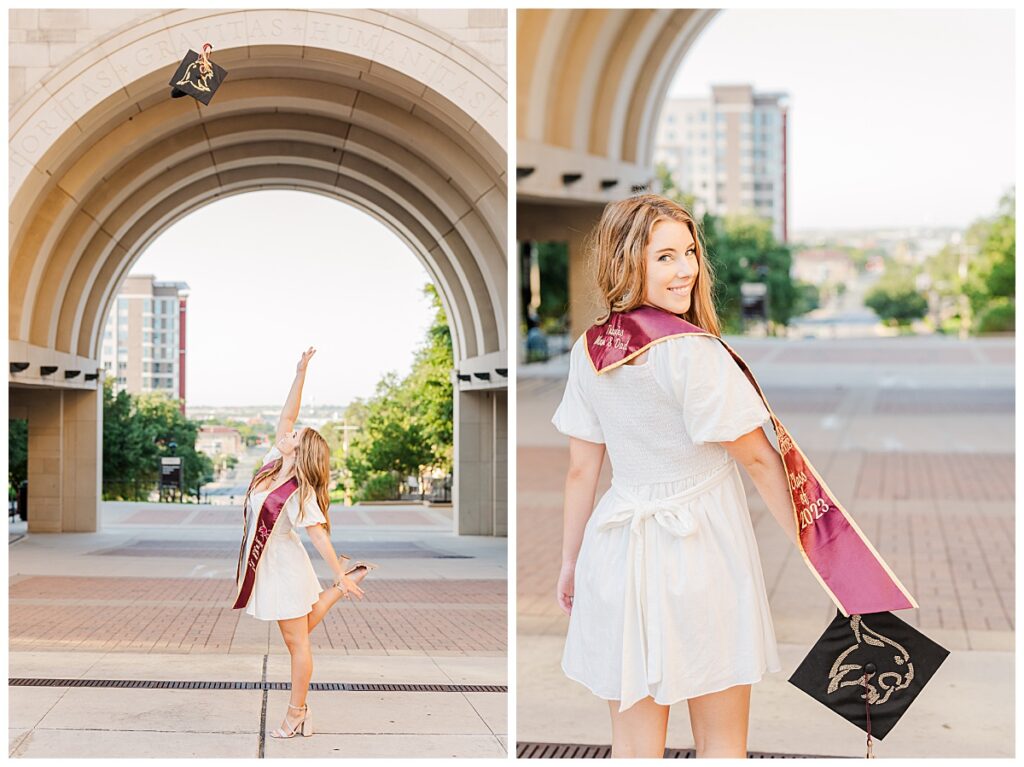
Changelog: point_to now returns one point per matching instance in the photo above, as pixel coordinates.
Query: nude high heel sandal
(359, 564)
(304, 725)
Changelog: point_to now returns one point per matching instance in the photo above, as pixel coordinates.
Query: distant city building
(144, 338)
(821, 267)
(729, 151)
(220, 440)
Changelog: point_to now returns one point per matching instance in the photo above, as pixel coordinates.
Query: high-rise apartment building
(144, 338)
(729, 151)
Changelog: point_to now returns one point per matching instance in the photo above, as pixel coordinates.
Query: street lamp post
(965, 304)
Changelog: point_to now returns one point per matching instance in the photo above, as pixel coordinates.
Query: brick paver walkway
(195, 615)
(934, 476)
(341, 516)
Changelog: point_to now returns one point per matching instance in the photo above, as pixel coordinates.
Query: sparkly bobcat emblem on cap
(889, 680)
(198, 75)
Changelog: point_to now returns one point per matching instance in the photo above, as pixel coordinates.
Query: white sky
(271, 273)
(897, 117)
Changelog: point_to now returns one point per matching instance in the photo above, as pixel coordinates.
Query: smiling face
(289, 441)
(672, 266)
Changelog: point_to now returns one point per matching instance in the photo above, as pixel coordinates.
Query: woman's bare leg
(640, 730)
(719, 721)
(328, 598)
(296, 638)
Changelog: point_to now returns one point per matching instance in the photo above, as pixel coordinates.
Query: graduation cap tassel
(868, 669)
(205, 68)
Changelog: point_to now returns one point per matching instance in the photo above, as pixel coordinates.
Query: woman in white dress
(662, 580)
(286, 588)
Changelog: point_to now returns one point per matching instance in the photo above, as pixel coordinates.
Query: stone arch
(591, 85)
(374, 108)
(131, 159)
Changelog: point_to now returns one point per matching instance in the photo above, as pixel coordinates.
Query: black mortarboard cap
(197, 77)
(869, 667)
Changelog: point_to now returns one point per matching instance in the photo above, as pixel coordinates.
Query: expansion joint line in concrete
(263, 709)
(263, 685)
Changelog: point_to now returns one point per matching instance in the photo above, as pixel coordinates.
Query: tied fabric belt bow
(674, 515)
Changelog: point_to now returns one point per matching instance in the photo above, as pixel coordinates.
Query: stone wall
(41, 40)
(484, 31)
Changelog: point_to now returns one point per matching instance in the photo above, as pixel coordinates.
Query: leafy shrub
(998, 317)
(381, 486)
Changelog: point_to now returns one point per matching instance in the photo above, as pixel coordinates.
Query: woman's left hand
(566, 588)
(348, 587)
(306, 357)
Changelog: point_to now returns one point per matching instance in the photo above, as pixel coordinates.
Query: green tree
(163, 419)
(945, 285)
(128, 452)
(407, 424)
(741, 249)
(334, 432)
(429, 386)
(17, 454)
(137, 432)
(808, 297)
(896, 303)
(394, 438)
(991, 274)
(553, 262)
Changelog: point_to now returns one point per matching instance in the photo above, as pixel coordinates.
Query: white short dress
(286, 585)
(670, 599)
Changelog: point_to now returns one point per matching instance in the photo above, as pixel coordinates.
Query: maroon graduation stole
(248, 561)
(845, 563)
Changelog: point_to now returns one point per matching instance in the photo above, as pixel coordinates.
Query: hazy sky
(897, 117)
(271, 273)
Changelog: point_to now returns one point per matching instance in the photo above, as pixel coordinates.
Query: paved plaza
(418, 668)
(915, 437)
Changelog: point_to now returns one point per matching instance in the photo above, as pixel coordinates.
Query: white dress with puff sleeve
(286, 585)
(669, 598)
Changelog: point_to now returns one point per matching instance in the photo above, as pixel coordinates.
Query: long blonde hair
(312, 470)
(618, 252)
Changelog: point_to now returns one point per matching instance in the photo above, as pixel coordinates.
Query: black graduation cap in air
(868, 669)
(197, 76)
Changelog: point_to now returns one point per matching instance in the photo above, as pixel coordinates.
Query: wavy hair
(312, 470)
(618, 253)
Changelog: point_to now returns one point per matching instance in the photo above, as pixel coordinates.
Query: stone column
(83, 460)
(583, 299)
(501, 463)
(570, 223)
(65, 457)
(479, 495)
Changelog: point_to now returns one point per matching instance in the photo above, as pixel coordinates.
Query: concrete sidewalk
(915, 437)
(149, 598)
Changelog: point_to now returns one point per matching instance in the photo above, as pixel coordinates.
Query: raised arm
(290, 411)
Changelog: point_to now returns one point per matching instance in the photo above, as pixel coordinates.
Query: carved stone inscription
(414, 51)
